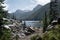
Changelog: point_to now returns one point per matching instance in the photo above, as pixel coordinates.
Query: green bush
(6, 34)
(53, 34)
(36, 37)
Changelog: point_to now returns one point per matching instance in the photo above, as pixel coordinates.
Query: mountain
(36, 14)
(39, 14)
(23, 15)
(37, 8)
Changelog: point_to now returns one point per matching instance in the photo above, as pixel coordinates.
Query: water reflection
(33, 23)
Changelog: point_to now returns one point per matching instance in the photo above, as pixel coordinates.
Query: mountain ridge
(22, 15)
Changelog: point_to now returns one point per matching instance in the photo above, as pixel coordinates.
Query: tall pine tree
(45, 23)
(53, 10)
(4, 33)
(3, 13)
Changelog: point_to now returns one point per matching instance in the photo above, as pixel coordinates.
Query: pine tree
(53, 10)
(45, 23)
(4, 33)
(3, 13)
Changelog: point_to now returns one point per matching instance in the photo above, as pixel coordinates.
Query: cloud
(25, 5)
(42, 2)
(30, 7)
(32, 1)
(35, 3)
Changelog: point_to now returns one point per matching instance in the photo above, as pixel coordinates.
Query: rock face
(20, 31)
(53, 24)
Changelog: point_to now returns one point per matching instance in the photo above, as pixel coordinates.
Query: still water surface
(33, 23)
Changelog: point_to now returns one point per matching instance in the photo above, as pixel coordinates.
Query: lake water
(33, 23)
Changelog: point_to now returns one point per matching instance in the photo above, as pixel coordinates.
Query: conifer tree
(3, 13)
(45, 23)
(4, 33)
(53, 10)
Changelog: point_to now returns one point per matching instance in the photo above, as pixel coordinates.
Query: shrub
(53, 34)
(36, 37)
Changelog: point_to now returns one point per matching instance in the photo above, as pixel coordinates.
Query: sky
(13, 5)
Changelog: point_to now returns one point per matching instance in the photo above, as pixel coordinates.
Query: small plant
(5, 34)
(36, 37)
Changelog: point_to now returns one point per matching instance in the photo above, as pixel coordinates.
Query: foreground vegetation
(53, 34)
(4, 32)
